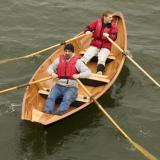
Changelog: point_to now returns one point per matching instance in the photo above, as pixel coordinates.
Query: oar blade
(146, 153)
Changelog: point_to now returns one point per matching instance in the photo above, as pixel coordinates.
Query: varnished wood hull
(34, 101)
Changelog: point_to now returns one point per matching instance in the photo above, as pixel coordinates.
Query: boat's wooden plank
(98, 77)
(111, 55)
(36, 115)
(45, 92)
(41, 117)
(95, 80)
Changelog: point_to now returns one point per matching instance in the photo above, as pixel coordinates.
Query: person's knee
(84, 60)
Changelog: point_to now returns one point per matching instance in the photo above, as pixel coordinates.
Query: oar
(43, 50)
(134, 144)
(133, 61)
(24, 85)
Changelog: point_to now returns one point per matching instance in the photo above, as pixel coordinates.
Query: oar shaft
(40, 80)
(102, 109)
(142, 70)
(24, 85)
(135, 63)
(54, 46)
(42, 51)
(148, 155)
(13, 88)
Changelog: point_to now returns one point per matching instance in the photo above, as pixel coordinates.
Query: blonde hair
(106, 13)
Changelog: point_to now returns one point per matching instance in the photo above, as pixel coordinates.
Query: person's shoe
(99, 72)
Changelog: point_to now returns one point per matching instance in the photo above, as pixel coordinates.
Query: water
(133, 101)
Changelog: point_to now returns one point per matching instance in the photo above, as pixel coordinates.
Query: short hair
(69, 47)
(106, 13)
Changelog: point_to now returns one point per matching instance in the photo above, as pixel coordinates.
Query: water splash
(8, 108)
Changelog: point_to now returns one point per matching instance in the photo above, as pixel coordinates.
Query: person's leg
(89, 54)
(50, 102)
(102, 57)
(69, 96)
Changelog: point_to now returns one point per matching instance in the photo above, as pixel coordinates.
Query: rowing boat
(36, 94)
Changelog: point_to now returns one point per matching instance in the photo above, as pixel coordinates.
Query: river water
(133, 101)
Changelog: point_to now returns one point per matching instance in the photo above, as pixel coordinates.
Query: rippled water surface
(133, 101)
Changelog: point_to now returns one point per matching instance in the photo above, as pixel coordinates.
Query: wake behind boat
(36, 94)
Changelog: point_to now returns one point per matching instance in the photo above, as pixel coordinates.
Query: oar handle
(135, 63)
(40, 80)
(148, 155)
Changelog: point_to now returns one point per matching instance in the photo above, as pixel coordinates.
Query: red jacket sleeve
(91, 27)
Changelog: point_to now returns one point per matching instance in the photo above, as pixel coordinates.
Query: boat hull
(35, 95)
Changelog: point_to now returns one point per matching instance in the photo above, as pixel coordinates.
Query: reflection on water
(31, 141)
(37, 140)
(114, 94)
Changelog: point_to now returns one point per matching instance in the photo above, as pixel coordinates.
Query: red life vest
(67, 69)
(99, 40)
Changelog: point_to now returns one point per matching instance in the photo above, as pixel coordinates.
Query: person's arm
(112, 34)
(91, 27)
(52, 68)
(84, 71)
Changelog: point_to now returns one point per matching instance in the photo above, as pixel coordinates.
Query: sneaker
(99, 72)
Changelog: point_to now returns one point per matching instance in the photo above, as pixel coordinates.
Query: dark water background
(133, 101)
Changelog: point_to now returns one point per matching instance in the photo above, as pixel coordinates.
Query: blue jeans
(68, 95)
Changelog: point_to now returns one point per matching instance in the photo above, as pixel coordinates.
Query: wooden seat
(111, 55)
(80, 98)
(95, 80)
(98, 77)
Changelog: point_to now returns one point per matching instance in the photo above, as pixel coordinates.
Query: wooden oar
(24, 85)
(135, 63)
(41, 51)
(134, 144)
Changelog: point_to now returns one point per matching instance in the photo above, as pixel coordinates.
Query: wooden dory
(36, 94)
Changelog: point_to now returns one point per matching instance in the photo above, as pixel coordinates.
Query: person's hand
(89, 33)
(106, 35)
(75, 76)
(54, 75)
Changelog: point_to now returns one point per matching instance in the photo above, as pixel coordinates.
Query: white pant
(92, 51)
